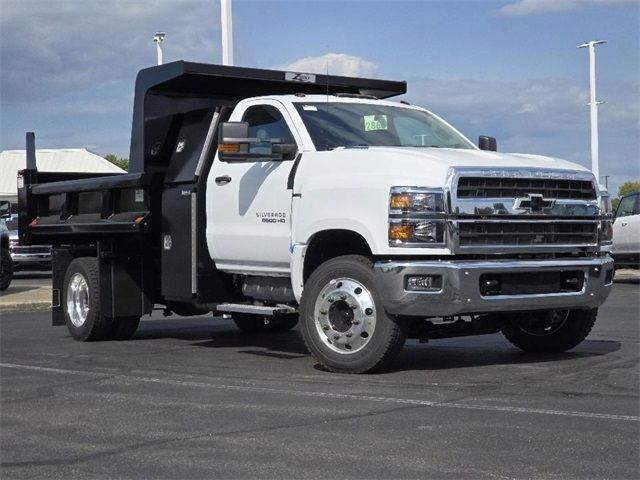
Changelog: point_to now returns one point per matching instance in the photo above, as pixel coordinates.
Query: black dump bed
(173, 102)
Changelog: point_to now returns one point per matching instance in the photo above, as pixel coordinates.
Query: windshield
(340, 124)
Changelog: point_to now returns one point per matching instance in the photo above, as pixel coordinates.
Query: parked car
(6, 264)
(27, 256)
(626, 232)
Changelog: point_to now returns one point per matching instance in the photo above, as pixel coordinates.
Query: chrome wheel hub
(78, 300)
(345, 315)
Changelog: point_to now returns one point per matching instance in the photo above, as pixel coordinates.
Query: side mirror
(287, 150)
(5, 209)
(487, 143)
(235, 145)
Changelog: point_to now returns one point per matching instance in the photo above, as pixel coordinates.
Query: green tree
(123, 163)
(626, 187)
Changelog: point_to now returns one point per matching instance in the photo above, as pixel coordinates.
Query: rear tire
(6, 269)
(81, 301)
(124, 328)
(256, 323)
(550, 331)
(343, 321)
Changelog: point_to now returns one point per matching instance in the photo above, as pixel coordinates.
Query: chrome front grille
(529, 233)
(523, 210)
(490, 187)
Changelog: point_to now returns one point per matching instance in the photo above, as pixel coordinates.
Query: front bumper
(461, 293)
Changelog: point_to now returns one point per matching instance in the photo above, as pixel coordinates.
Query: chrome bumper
(460, 293)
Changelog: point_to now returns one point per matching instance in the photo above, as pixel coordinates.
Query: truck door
(248, 203)
(624, 226)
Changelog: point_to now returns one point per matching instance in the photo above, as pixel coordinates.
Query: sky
(509, 69)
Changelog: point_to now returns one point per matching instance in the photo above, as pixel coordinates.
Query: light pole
(159, 38)
(227, 32)
(593, 105)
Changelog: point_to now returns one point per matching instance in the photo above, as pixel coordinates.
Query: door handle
(223, 180)
(624, 224)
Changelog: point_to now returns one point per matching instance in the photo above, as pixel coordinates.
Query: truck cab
(277, 197)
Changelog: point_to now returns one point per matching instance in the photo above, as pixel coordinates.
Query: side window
(626, 206)
(265, 122)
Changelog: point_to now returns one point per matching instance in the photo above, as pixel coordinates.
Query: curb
(24, 307)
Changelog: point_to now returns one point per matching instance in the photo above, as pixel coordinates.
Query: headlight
(416, 217)
(416, 232)
(415, 200)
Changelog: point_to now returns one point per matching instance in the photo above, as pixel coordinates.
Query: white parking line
(304, 393)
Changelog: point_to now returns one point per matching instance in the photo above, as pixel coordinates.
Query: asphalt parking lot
(196, 398)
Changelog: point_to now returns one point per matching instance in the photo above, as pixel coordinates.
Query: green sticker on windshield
(375, 122)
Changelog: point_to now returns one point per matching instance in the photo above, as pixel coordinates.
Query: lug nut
(323, 312)
(325, 327)
(369, 311)
(349, 334)
(331, 299)
(336, 336)
(355, 322)
(343, 297)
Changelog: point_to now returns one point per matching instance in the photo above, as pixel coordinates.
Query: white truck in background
(278, 197)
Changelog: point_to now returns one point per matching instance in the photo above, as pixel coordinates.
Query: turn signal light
(229, 147)
(400, 232)
(400, 202)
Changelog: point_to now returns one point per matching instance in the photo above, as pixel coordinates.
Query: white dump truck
(276, 198)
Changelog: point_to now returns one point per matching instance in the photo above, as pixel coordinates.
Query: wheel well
(329, 244)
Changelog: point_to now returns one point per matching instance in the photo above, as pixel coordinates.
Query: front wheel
(550, 331)
(343, 322)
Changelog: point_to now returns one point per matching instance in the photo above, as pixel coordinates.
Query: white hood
(427, 166)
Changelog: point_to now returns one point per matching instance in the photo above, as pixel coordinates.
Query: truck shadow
(209, 333)
(465, 355)
(462, 352)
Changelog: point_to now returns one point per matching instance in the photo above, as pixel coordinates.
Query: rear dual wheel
(81, 304)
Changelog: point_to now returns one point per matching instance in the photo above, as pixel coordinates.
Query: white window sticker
(310, 108)
(374, 123)
(139, 195)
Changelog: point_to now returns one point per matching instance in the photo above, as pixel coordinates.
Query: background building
(49, 160)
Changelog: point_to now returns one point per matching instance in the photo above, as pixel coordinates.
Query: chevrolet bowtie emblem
(533, 203)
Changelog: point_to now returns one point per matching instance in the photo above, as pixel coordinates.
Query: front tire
(6, 269)
(81, 301)
(343, 321)
(550, 331)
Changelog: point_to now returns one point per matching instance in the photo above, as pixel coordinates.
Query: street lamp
(227, 32)
(593, 105)
(159, 38)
